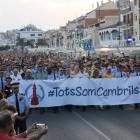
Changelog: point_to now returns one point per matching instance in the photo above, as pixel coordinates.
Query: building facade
(31, 32)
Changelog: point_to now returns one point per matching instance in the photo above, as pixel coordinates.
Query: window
(101, 36)
(135, 2)
(39, 34)
(32, 34)
(135, 32)
(124, 19)
(110, 23)
(135, 17)
(115, 34)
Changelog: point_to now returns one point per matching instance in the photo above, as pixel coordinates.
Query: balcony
(124, 7)
(80, 26)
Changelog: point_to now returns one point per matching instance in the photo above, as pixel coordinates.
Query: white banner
(84, 91)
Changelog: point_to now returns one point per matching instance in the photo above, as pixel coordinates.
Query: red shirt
(4, 136)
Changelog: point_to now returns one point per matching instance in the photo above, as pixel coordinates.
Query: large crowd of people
(16, 66)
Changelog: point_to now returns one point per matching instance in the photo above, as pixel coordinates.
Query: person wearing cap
(4, 67)
(136, 71)
(41, 75)
(134, 74)
(15, 76)
(120, 74)
(82, 74)
(54, 76)
(64, 74)
(22, 104)
(69, 74)
(58, 70)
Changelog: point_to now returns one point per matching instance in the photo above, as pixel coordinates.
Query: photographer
(7, 124)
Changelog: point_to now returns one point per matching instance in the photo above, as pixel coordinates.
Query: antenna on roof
(92, 7)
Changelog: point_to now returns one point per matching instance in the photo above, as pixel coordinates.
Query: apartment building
(136, 21)
(31, 32)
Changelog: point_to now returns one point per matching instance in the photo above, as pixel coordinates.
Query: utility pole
(119, 23)
(99, 13)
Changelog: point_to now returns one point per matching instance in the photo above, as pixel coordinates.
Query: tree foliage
(2, 48)
(23, 42)
(41, 42)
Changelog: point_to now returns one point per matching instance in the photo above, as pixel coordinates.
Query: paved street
(113, 124)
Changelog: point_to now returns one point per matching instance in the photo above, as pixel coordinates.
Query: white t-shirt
(20, 72)
(16, 78)
(83, 75)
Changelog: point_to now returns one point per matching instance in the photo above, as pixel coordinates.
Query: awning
(88, 37)
(106, 50)
(129, 49)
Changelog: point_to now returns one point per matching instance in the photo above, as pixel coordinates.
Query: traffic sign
(87, 46)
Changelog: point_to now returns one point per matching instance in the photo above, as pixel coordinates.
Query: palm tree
(29, 43)
(41, 42)
(23, 42)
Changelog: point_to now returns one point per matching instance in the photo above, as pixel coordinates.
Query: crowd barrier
(84, 91)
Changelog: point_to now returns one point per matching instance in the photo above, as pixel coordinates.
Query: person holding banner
(96, 74)
(63, 75)
(15, 76)
(121, 74)
(83, 74)
(41, 75)
(28, 75)
(54, 75)
(69, 75)
(136, 73)
(108, 74)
